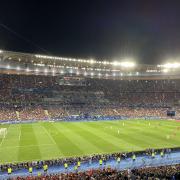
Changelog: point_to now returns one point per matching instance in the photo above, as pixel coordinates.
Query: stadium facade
(125, 68)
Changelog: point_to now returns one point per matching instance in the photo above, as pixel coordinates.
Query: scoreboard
(72, 81)
(171, 113)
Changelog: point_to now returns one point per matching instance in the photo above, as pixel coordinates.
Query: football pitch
(50, 140)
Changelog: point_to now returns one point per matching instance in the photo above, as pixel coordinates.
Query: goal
(3, 132)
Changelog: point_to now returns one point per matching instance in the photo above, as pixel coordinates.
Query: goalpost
(3, 132)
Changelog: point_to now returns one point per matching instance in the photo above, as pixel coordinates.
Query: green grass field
(48, 140)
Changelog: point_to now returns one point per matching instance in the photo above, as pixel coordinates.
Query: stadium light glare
(92, 74)
(165, 70)
(53, 71)
(18, 68)
(173, 65)
(170, 65)
(1, 51)
(92, 61)
(27, 69)
(127, 64)
(37, 70)
(45, 71)
(105, 62)
(8, 66)
(115, 63)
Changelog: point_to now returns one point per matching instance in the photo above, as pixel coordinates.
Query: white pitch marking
(20, 133)
(9, 147)
(49, 135)
(4, 137)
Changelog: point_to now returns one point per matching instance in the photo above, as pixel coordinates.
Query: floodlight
(18, 68)
(165, 70)
(92, 61)
(53, 71)
(45, 70)
(8, 66)
(115, 63)
(104, 62)
(126, 64)
(172, 65)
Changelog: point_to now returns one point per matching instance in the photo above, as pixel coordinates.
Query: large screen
(72, 81)
(171, 113)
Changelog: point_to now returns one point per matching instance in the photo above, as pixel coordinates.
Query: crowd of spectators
(44, 97)
(21, 89)
(83, 159)
(63, 113)
(60, 162)
(146, 173)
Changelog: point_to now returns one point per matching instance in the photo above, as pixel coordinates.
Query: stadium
(71, 118)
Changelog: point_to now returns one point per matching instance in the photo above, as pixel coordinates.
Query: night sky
(148, 30)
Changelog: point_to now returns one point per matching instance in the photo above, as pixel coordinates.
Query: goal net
(3, 132)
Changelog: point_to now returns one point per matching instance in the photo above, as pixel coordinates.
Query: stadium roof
(26, 63)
